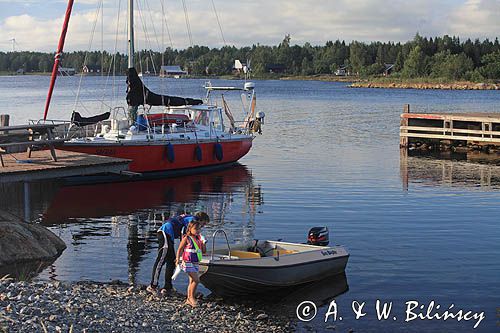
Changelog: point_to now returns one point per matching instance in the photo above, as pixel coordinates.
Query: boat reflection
(473, 170)
(320, 292)
(110, 199)
(284, 303)
(93, 217)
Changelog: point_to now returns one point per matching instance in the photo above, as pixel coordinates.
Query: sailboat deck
(18, 167)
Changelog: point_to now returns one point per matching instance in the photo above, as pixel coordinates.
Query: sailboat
(186, 135)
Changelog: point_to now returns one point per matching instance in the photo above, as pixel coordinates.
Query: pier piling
(403, 140)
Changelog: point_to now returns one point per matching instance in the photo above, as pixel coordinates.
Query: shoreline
(109, 307)
(352, 81)
(426, 85)
(321, 77)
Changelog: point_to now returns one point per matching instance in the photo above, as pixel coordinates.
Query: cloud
(480, 18)
(258, 21)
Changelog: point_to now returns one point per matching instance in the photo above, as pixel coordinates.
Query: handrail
(213, 243)
(441, 129)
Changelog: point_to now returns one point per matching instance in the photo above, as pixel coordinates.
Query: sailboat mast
(130, 33)
(59, 52)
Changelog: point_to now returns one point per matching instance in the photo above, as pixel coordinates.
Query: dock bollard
(4, 121)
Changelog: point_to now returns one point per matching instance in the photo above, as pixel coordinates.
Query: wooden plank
(449, 137)
(32, 143)
(41, 166)
(422, 116)
(28, 127)
(454, 130)
(13, 137)
(473, 117)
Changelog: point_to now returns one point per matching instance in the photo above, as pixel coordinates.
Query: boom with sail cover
(139, 94)
(78, 120)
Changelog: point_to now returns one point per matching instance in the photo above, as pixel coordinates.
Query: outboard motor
(318, 236)
(260, 117)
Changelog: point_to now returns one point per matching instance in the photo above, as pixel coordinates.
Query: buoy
(219, 155)
(169, 149)
(198, 153)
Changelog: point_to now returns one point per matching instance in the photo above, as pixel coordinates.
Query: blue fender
(219, 154)
(198, 154)
(169, 150)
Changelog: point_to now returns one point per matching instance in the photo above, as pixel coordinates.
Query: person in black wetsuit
(170, 230)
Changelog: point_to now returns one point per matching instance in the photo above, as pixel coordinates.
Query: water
(416, 228)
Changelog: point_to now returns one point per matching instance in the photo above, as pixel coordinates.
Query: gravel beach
(90, 307)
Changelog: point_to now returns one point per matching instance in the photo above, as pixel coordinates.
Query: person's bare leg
(188, 297)
(195, 280)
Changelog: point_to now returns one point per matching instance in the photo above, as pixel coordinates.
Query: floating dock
(18, 167)
(450, 131)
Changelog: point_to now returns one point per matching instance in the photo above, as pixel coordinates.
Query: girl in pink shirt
(191, 249)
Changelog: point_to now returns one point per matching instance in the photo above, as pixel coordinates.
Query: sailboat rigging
(186, 135)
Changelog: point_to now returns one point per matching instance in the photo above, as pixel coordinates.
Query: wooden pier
(18, 167)
(445, 131)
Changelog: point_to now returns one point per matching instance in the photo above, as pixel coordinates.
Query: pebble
(91, 307)
(261, 316)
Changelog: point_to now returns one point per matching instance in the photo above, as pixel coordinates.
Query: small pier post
(27, 202)
(4, 121)
(403, 140)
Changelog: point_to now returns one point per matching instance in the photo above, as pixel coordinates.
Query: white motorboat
(265, 265)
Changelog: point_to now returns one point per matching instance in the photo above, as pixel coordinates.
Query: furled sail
(80, 121)
(139, 94)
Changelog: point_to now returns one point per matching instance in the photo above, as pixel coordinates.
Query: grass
(24, 271)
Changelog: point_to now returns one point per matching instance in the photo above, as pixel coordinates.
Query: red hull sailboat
(153, 156)
(182, 135)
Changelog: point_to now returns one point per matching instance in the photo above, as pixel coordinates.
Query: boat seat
(283, 252)
(245, 254)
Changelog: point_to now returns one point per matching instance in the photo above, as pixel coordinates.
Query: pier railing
(473, 128)
(450, 134)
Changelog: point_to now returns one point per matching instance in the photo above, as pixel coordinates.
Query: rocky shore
(25, 242)
(321, 77)
(426, 85)
(91, 307)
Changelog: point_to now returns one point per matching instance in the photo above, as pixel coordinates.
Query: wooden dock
(445, 131)
(18, 167)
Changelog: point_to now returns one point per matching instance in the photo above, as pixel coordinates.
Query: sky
(35, 24)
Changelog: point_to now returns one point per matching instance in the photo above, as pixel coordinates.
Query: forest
(446, 57)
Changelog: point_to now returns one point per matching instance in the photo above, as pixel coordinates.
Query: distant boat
(66, 71)
(146, 73)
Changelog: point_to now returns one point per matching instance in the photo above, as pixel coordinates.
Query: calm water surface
(416, 228)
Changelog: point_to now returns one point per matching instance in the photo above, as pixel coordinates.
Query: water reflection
(283, 303)
(27, 200)
(321, 292)
(473, 170)
(117, 223)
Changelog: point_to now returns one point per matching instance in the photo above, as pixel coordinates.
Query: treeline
(441, 57)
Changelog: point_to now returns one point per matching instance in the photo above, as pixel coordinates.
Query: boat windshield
(201, 117)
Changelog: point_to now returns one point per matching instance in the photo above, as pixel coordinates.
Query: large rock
(23, 242)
